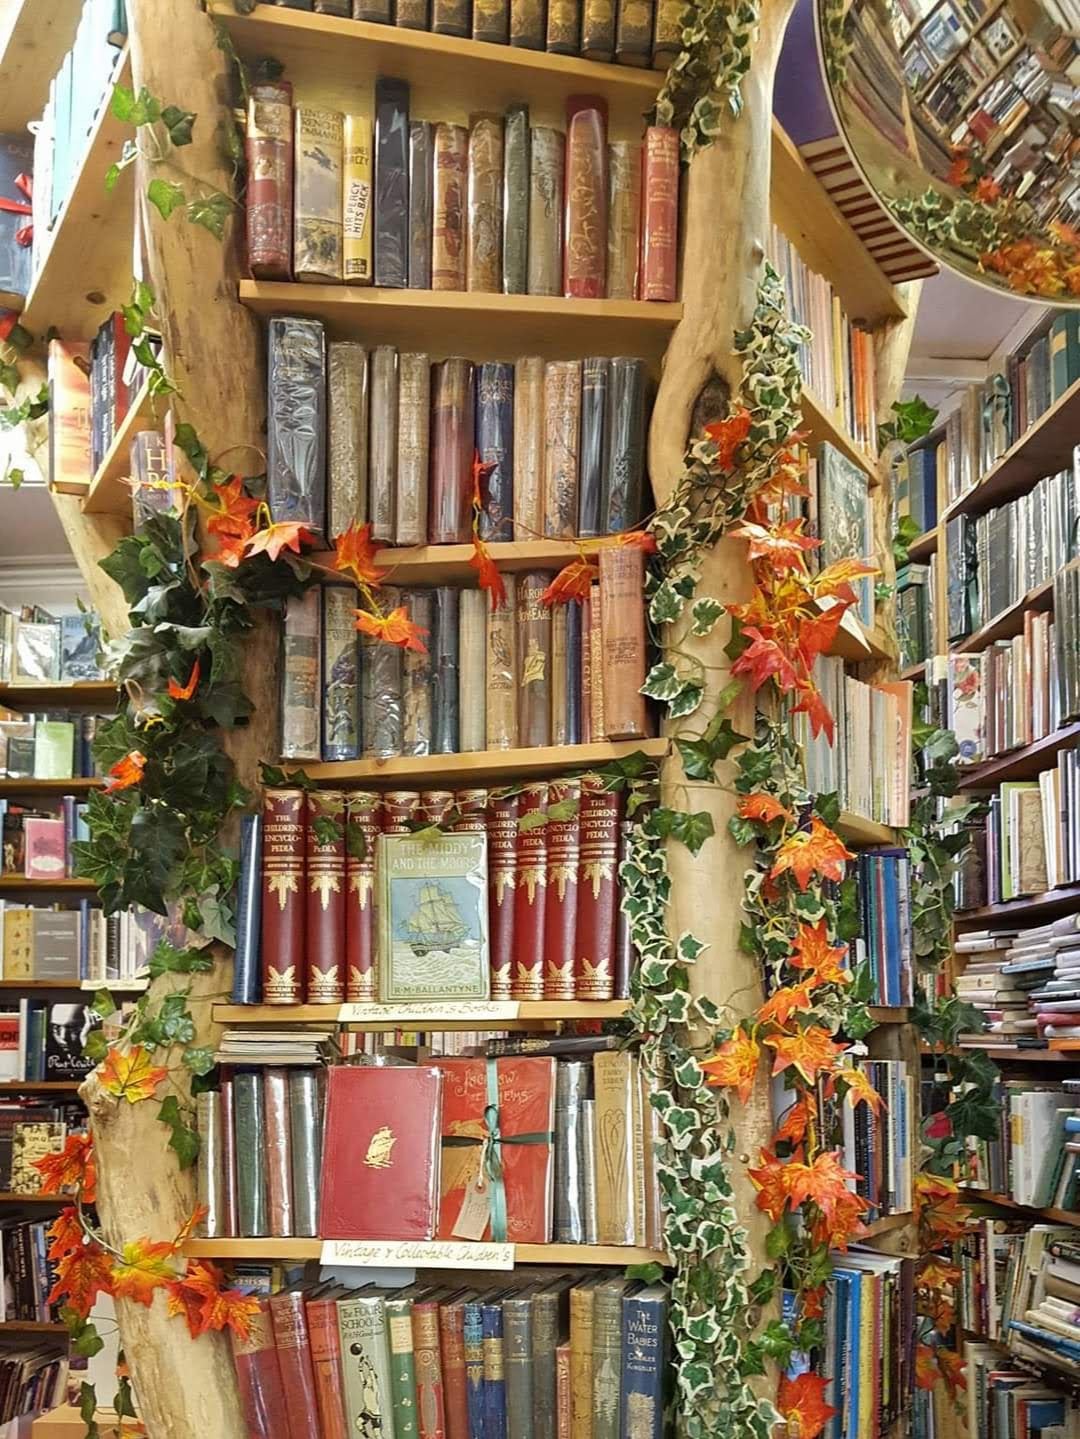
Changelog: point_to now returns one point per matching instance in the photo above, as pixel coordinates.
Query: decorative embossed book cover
(380, 1172)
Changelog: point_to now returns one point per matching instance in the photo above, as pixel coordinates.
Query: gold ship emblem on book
(282, 885)
(379, 1148)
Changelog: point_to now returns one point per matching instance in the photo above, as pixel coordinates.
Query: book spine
(448, 207)
(380, 677)
(501, 672)
(384, 442)
(660, 214)
(528, 447)
(607, 1347)
(622, 582)
(416, 685)
(413, 440)
(360, 839)
(624, 945)
(527, 980)
(614, 1078)
(365, 1362)
(294, 1357)
(229, 1223)
(356, 201)
(545, 1335)
(421, 199)
(581, 1361)
(667, 31)
(450, 17)
(317, 190)
(269, 151)
(375, 12)
(562, 432)
(624, 475)
(563, 843)
(473, 1343)
(452, 444)
(564, 27)
(474, 607)
(445, 651)
(502, 887)
(347, 436)
(402, 1368)
(527, 24)
(326, 1365)
(518, 1357)
(430, 1386)
(495, 447)
(305, 1136)
(283, 896)
(592, 466)
(452, 1341)
(211, 1176)
(399, 808)
(643, 1360)
(572, 1080)
(340, 672)
(258, 1378)
(515, 276)
(483, 229)
(560, 706)
(563, 1392)
(250, 1142)
(246, 974)
(585, 235)
(491, 21)
(391, 183)
(533, 646)
(598, 30)
(325, 889)
(597, 891)
(588, 1170)
(547, 165)
(275, 1084)
(296, 423)
(634, 32)
(411, 14)
(494, 1384)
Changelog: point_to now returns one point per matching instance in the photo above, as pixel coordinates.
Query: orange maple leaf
(72, 1168)
(232, 549)
(987, 190)
(132, 1075)
(812, 704)
(234, 510)
(187, 1229)
(959, 172)
(802, 1403)
(926, 1369)
(763, 807)
(823, 1182)
(811, 950)
(393, 629)
(354, 554)
(860, 1090)
(765, 659)
(810, 1050)
(65, 1234)
(835, 580)
(813, 1302)
(127, 771)
(573, 582)
(489, 577)
(727, 435)
(178, 691)
(814, 851)
(789, 1000)
(81, 1275)
(144, 1267)
(783, 545)
(768, 1180)
(282, 535)
(818, 631)
(936, 1273)
(634, 539)
(198, 1296)
(734, 1064)
(481, 471)
(952, 1368)
(795, 1123)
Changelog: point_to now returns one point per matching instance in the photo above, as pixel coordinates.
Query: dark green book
(550, 1327)
(516, 201)
(402, 1365)
(607, 1355)
(518, 1362)
(249, 1121)
(1064, 353)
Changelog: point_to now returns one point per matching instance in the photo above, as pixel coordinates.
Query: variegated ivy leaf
(688, 947)
(666, 604)
(676, 1005)
(687, 701)
(694, 1380)
(663, 682)
(707, 1009)
(682, 1124)
(687, 1073)
(704, 1327)
(705, 611)
(708, 1168)
(654, 972)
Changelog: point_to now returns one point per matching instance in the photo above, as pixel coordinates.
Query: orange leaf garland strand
(354, 555)
(199, 1297)
(144, 1266)
(859, 1090)
(71, 1168)
(178, 691)
(131, 1076)
(763, 807)
(279, 536)
(488, 572)
(734, 1064)
(768, 1180)
(812, 950)
(823, 1182)
(802, 1403)
(81, 1275)
(810, 1050)
(782, 546)
(815, 851)
(788, 1000)
(393, 629)
(127, 771)
(728, 434)
(235, 510)
(573, 582)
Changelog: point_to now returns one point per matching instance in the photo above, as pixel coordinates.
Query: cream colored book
(357, 198)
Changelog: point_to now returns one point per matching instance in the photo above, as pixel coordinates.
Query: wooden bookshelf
(15, 883)
(888, 1224)
(449, 564)
(1010, 622)
(86, 695)
(1003, 1052)
(31, 986)
(29, 787)
(1051, 1216)
(889, 1013)
(263, 1250)
(820, 424)
(31, 1326)
(915, 673)
(545, 1011)
(1064, 1047)
(108, 493)
(923, 546)
(56, 1200)
(1022, 763)
(46, 1086)
(854, 829)
(37, 39)
(1063, 900)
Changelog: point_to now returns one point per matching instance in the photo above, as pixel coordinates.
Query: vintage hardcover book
(530, 898)
(528, 447)
(495, 447)
(617, 1097)
(380, 692)
(624, 219)
(452, 1343)
(416, 679)
(246, 973)
(563, 1392)
(402, 1366)
(560, 708)
(365, 1362)
(597, 890)
(588, 1130)
(597, 727)
(527, 24)
(258, 1377)
(550, 1320)
(451, 163)
(622, 621)
(581, 1357)
(347, 436)
(296, 423)
(294, 1357)
(153, 469)
(563, 840)
(305, 1146)
(598, 30)
(518, 1361)
(660, 214)
(399, 808)
(667, 31)
(411, 14)
(375, 12)
(413, 420)
(634, 32)
(592, 459)
(384, 443)
(450, 17)
(624, 475)
(230, 1204)
(360, 840)
(501, 672)
(624, 945)
(845, 525)
(380, 1176)
(585, 221)
(431, 916)
(269, 199)
(472, 666)
(547, 161)
(533, 649)
(562, 430)
(430, 1387)
(573, 1081)
(391, 183)
(444, 647)
(69, 412)
(421, 199)
(607, 1355)
(357, 239)
(473, 1343)
(325, 1341)
(483, 226)
(325, 904)
(645, 1359)
(301, 677)
(275, 1083)
(515, 259)
(317, 215)
(340, 674)
(283, 923)
(491, 21)
(502, 882)
(564, 27)
(573, 674)
(452, 442)
(435, 805)
(211, 1178)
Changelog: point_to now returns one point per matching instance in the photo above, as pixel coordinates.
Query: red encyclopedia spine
(502, 886)
(527, 980)
(325, 1342)
(562, 835)
(598, 887)
(270, 180)
(472, 809)
(325, 906)
(430, 1391)
(361, 834)
(283, 964)
(660, 214)
(435, 805)
(585, 239)
(455, 1391)
(399, 807)
(258, 1377)
(294, 1359)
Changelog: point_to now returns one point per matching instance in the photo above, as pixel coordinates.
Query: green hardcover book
(518, 1362)
(365, 1364)
(1064, 353)
(399, 1334)
(249, 1122)
(54, 749)
(607, 1356)
(550, 1327)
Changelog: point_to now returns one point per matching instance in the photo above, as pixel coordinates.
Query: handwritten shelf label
(411, 1254)
(415, 1016)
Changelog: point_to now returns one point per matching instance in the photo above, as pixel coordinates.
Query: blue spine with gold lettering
(644, 1360)
(495, 446)
(494, 1372)
(473, 1344)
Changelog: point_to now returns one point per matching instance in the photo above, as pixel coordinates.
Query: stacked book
(36, 647)
(562, 442)
(1050, 955)
(538, 1354)
(916, 622)
(869, 1351)
(878, 1146)
(564, 675)
(989, 984)
(29, 1129)
(1039, 1308)
(498, 206)
(33, 1377)
(883, 942)
(1005, 1401)
(43, 1042)
(1034, 1159)
(48, 747)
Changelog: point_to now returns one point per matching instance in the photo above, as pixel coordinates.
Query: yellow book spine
(357, 202)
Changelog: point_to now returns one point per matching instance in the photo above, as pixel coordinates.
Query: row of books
(516, 898)
(33, 1379)
(1038, 1303)
(396, 1153)
(1006, 1401)
(37, 843)
(48, 748)
(562, 441)
(92, 385)
(868, 765)
(884, 941)
(36, 647)
(78, 942)
(29, 1129)
(1004, 697)
(41, 1042)
(526, 1357)
(26, 1274)
(916, 612)
(877, 1146)
(984, 1255)
(497, 206)
(868, 1352)
(1030, 1162)
(1024, 981)
(1031, 843)
(517, 676)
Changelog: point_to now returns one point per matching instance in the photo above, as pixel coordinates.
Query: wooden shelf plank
(491, 765)
(16, 883)
(1052, 903)
(48, 1086)
(37, 39)
(278, 1015)
(889, 1013)
(1020, 763)
(821, 424)
(304, 1249)
(11, 1197)
(915, 673)
(448, 564)
(89, 694)
(31, 1326)
(987, 1196)
(923, 546)
(854, 829)
(28, 787)
(1010, 622)
(108, 494)
(887, 1223)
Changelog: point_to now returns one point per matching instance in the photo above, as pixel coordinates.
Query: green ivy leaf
(692, 829)
(165, 195)
(211, 213)
(199, 1060)
(87, 1410)
(179, 124)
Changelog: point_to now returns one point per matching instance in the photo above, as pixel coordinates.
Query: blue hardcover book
(247, 968)
(84, 939)
(1072, 1124)
(494, 1384)
(1069, 1348)
(841, 1288)
(473, 1343)
(644, 1363)
(573, 674)
(1045, 1413)
(892, 932)
(340, 674)
(495, 446)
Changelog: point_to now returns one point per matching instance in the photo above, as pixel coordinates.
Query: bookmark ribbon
(24, 235)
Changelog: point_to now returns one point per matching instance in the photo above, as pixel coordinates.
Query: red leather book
(598, 889)
(526, 1103)
(502, 884)
(586, 228)
(452, 448)
(228, 1158)
(624, 944)
(325, 899)
(380, 1172)
(527, 978)
(283, 963)
(325, 1342)
(660, 214)
(436, 804)
(430, 1392)
(399, 806)
(455, 1390)
(362, 832)
(561, 899)
(270, 180)
(258, 1378)
(472, 808)
(294, 1359)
